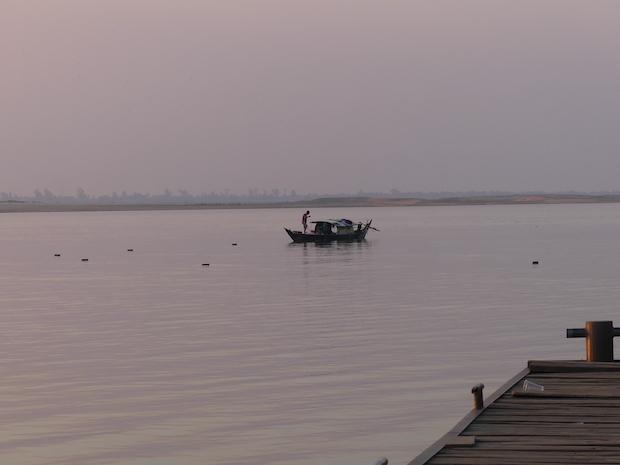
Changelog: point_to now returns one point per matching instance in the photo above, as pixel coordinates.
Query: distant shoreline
(340, 202)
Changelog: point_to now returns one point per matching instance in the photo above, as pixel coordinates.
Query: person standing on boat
(304, 220)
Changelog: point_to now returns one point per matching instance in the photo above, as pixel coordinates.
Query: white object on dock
(529, 386)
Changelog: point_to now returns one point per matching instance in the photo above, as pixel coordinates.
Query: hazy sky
(312, 95)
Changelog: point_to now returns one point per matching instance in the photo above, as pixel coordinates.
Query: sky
(314, 95)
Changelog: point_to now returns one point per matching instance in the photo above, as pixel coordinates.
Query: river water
(280, 353)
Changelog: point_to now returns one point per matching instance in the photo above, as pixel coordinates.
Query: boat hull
(358, 235)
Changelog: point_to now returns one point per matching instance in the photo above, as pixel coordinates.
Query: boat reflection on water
(356, 245)
(343, 246)
(343, 264)
(323, 253)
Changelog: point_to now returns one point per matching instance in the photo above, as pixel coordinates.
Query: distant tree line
(253, 195)
(180, 196)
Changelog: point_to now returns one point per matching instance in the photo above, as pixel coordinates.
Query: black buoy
(234, 243)
(535, 262)
(129, 250)
(56, 255)
(85, 259)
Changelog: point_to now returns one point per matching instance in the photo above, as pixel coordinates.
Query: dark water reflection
(336, 252)
(335, 245)
(280, 353)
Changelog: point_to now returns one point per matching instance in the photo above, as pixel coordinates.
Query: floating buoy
(535, 262)
(56, 255)
(129, 250)
(205, 264)
(85, 259)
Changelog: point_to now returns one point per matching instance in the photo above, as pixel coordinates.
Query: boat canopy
(341, 223)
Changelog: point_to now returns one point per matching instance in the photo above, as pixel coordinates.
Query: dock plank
(575, 420)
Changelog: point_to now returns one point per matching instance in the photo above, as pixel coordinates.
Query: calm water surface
(280, 353)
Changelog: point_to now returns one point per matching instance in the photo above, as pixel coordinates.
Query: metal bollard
(599, 340)
(478, 397)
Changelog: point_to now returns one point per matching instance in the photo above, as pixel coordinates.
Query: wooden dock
(574, 420)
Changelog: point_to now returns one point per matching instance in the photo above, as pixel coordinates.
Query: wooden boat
(332, 230)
